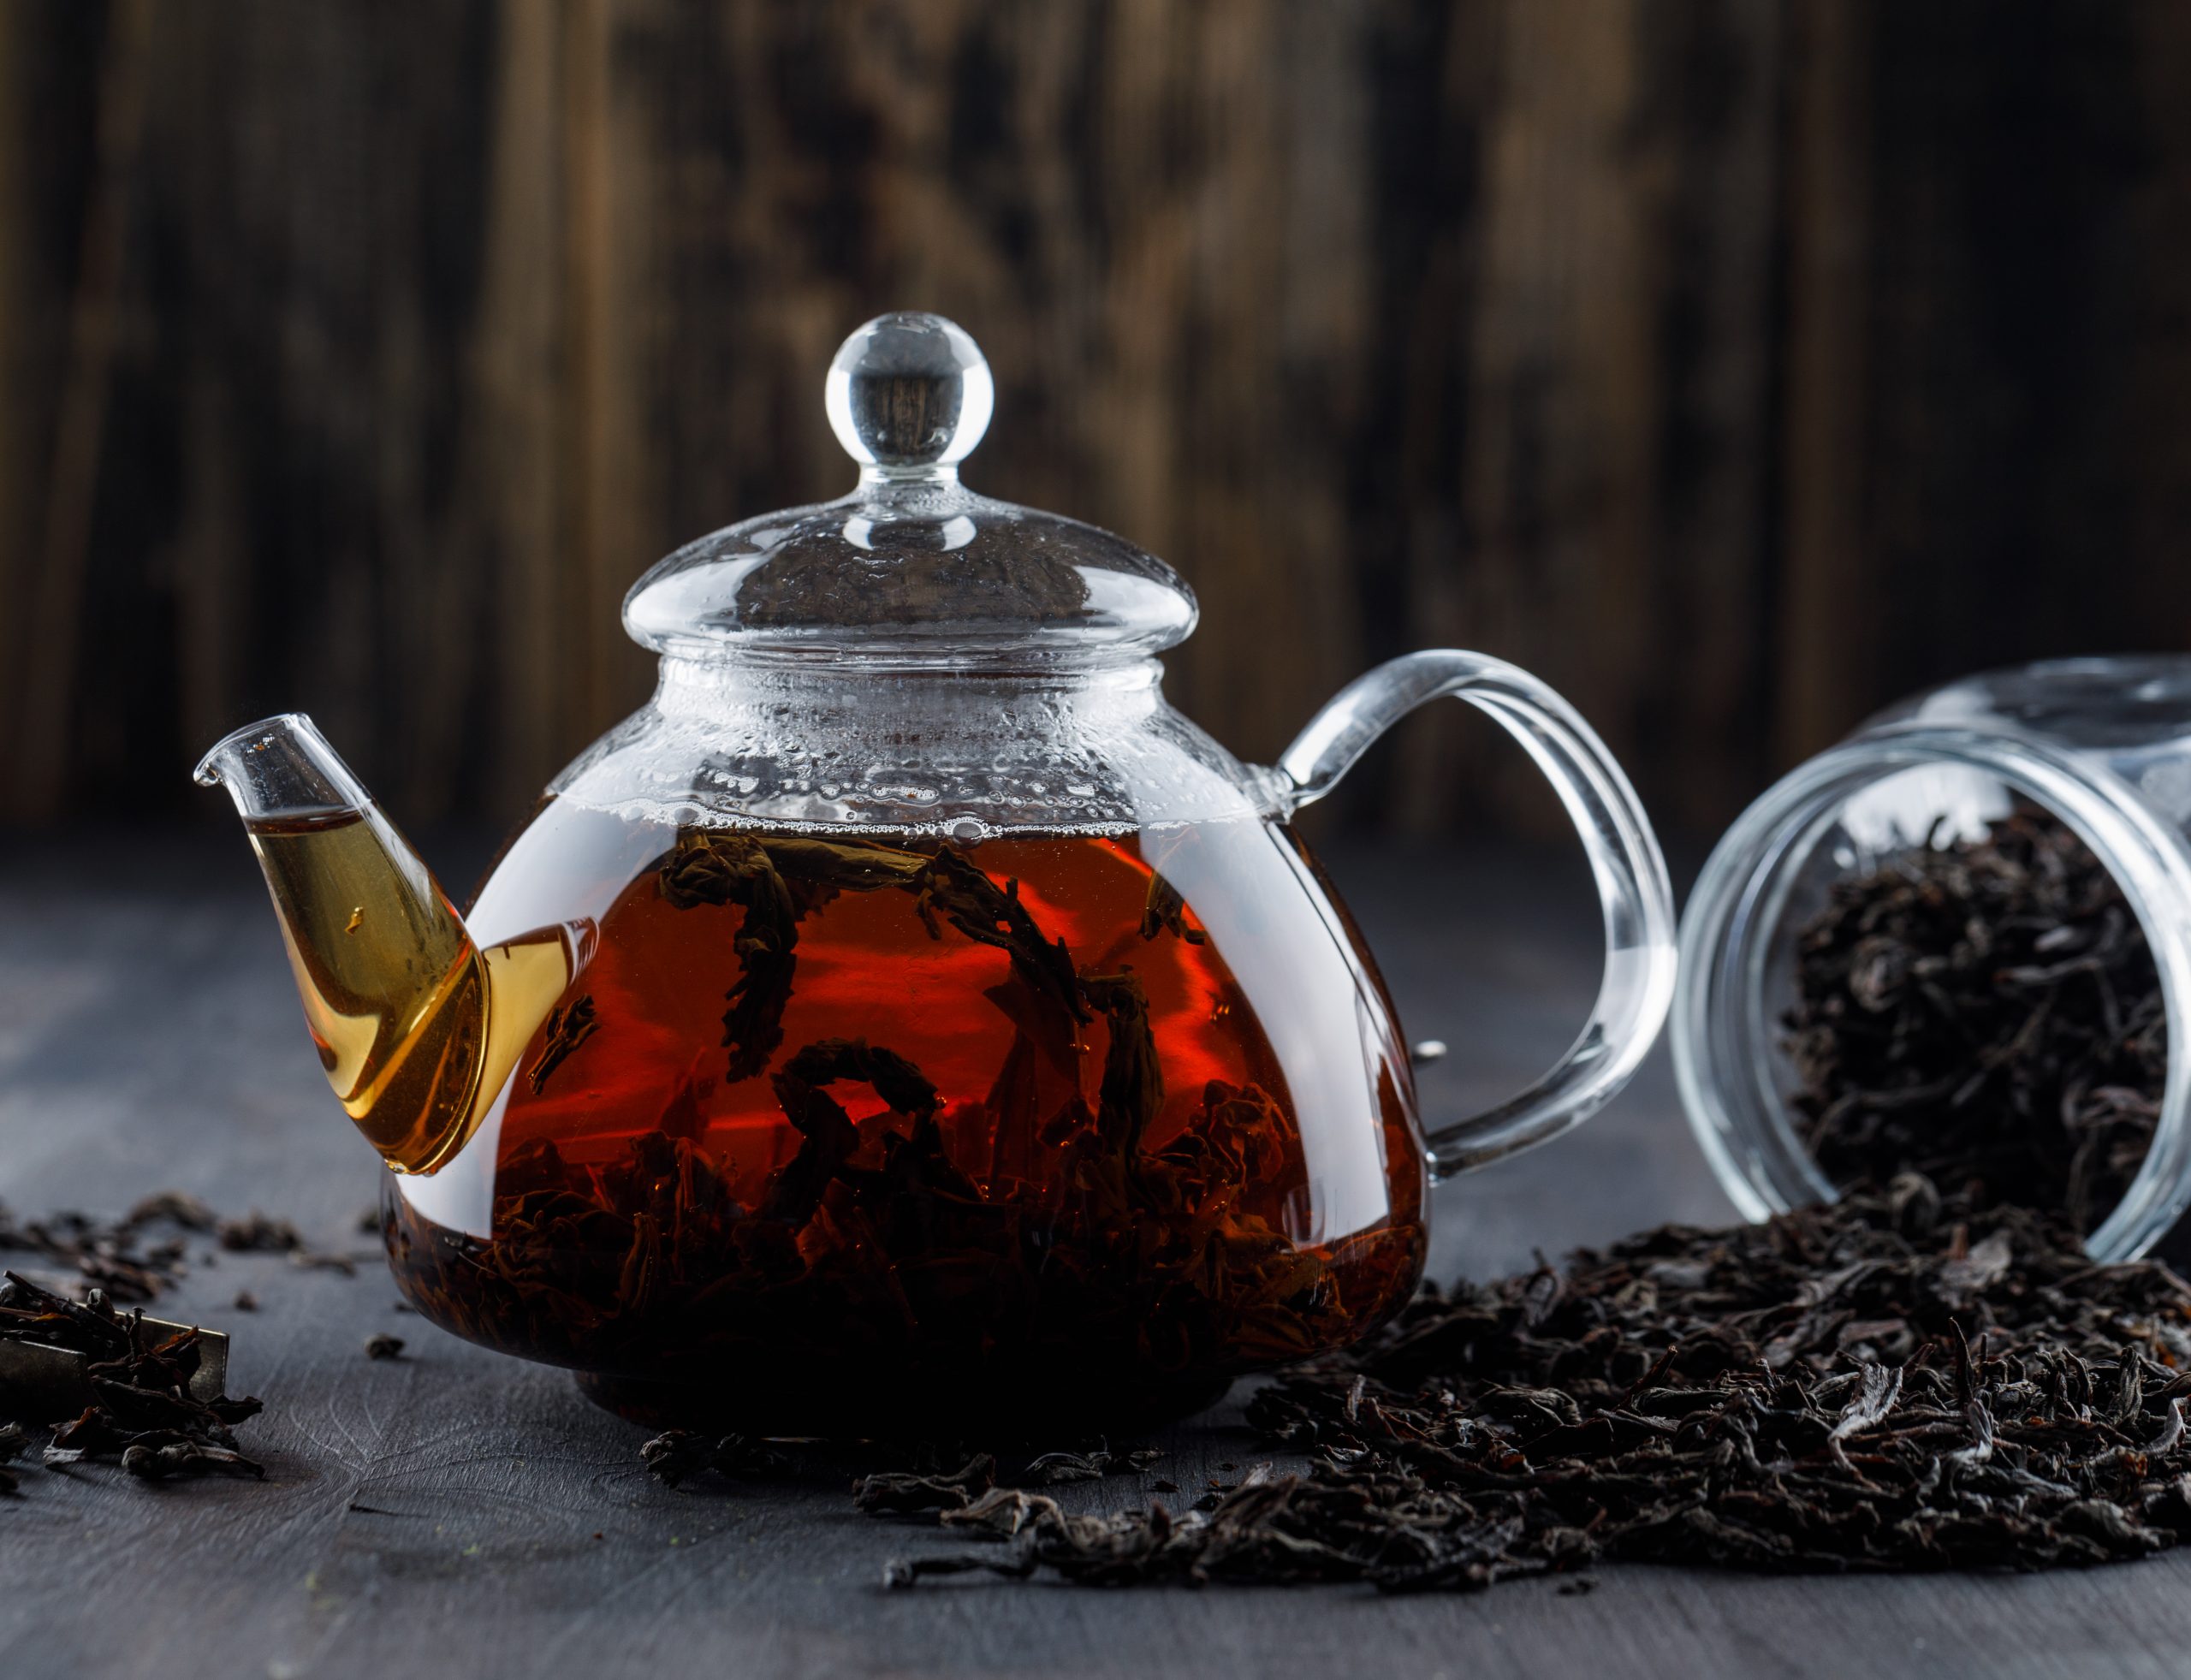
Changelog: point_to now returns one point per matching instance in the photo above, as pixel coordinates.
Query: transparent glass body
(948, 1030)
(2104, 744)
(929, 1173)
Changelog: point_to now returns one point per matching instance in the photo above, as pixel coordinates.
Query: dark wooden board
(439, 1514)
(1735, 365)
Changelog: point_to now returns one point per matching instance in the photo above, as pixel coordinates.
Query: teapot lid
(911, 566)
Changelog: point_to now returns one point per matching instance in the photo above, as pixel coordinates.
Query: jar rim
(1722, 1037)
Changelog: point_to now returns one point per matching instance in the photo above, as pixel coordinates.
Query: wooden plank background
(1737, 365)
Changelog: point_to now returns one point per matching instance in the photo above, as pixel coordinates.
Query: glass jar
(2103, 743)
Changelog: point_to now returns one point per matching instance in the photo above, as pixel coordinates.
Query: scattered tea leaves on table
(1052, 1469)
(147, 1411)
(175, 1207)
(677, 1454)
(1904, 1380)
(259, 1234)
(113, 1255)
(144, 1415)
(904, 1492)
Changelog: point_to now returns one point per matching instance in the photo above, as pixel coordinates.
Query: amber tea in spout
(834, 1127)
(416, 1027)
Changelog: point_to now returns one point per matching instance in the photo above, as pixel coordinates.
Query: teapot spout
(417, 1028)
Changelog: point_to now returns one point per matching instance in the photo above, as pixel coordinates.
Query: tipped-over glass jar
(2102, 744)
(906, 1019)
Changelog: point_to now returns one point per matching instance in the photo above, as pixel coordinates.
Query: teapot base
(1001, 1420)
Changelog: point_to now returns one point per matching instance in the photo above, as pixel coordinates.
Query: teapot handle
(1625, 859)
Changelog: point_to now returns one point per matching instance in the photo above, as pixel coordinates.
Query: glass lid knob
(910, 394)
(911, 566)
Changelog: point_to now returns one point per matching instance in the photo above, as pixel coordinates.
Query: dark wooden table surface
(439, 1514)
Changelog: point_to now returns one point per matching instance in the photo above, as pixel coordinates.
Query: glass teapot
(906, 1017)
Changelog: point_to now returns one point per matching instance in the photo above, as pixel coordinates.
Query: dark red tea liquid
(1001, 1138)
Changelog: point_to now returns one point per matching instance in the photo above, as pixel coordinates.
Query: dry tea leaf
(1634, 1411)
(144, 1416)
(1985, 1012)
(676, 1455)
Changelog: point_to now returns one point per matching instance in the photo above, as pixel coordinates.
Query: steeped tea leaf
(731, 869)
(568, 1025)
(972, 903)
(1165, 911)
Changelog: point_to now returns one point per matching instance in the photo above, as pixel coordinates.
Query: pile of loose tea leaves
(121, 1257)
(138, 1257)
(144, 1413)
(1900, 1382)
(139, 1401)
(1985, 1013)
